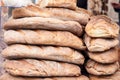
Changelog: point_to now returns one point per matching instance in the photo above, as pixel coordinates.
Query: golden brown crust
(64, 54)
(42, 37)
(101, 69)
(44, 23)
(40, 68)
(80, 15)
(100, 44)
(70, 4)
(102, 26)
(106, 57)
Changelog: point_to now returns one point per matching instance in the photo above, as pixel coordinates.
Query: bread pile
(45, 43)
(102, 43)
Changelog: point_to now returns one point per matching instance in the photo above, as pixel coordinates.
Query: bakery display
(102, 26)
(40, 68)
(64, 54)
(98, 69)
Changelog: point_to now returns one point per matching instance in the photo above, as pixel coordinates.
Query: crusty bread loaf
(101, 69)
(102, 26)
(42, 37)
(40, 68)
(80, 15)
(44, 23)
(9, 77)
(106, 57)
(115, 76)
(70, 4)
(100, 44)
(64, 54)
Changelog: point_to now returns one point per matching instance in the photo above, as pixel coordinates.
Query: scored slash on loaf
(42, 37)
(44, 23)
(64, 54)
(41, 68)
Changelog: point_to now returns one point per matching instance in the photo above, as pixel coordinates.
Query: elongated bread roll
(100, 44)
(40, 68)
(102, 26)
(106, 57)
(115, 76)
(41, 52)
(101, 69)
(42, 37)
(80, 15)
(44, 23)
(9, 77)
(70, 4)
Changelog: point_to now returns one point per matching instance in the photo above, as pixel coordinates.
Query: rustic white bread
(44, 23)
(100, 44)
(70, 4)
(42, 37)
(102, 26)
(64, 54)
(106, 57)
(80, 15)
(99, 69)
(40, 68)
(10, 77)
(115, 76)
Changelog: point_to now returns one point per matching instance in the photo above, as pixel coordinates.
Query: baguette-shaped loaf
(42, 37)
(44, 23)
(10, 77)
(100, 44)
(80, 15)
(115, 76)
(106, 57)
(40, 68)
(99, 69)
(64, 54)
(102, 26)
(70, 4)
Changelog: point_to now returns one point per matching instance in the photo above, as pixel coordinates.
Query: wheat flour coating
(80, 15)
(106, 57)
(102, 26)
(70, 4)
(40, 68)
(64, 54)
(9, 77)
(42, 37)
(44, 23)
(115, 76)
(99, 69)
(100, 44)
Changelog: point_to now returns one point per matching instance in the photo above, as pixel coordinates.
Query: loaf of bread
(40, 68)
(102, 26)
(64, 54)
(44, 23)
(42, 37)
(106, 57)
(9, 77)
(115, 76)
(100, 44)
(98, 69)
(70, 4)
(80, 15)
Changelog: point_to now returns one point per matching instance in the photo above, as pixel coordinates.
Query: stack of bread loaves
(101, 41)
(45, 42)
